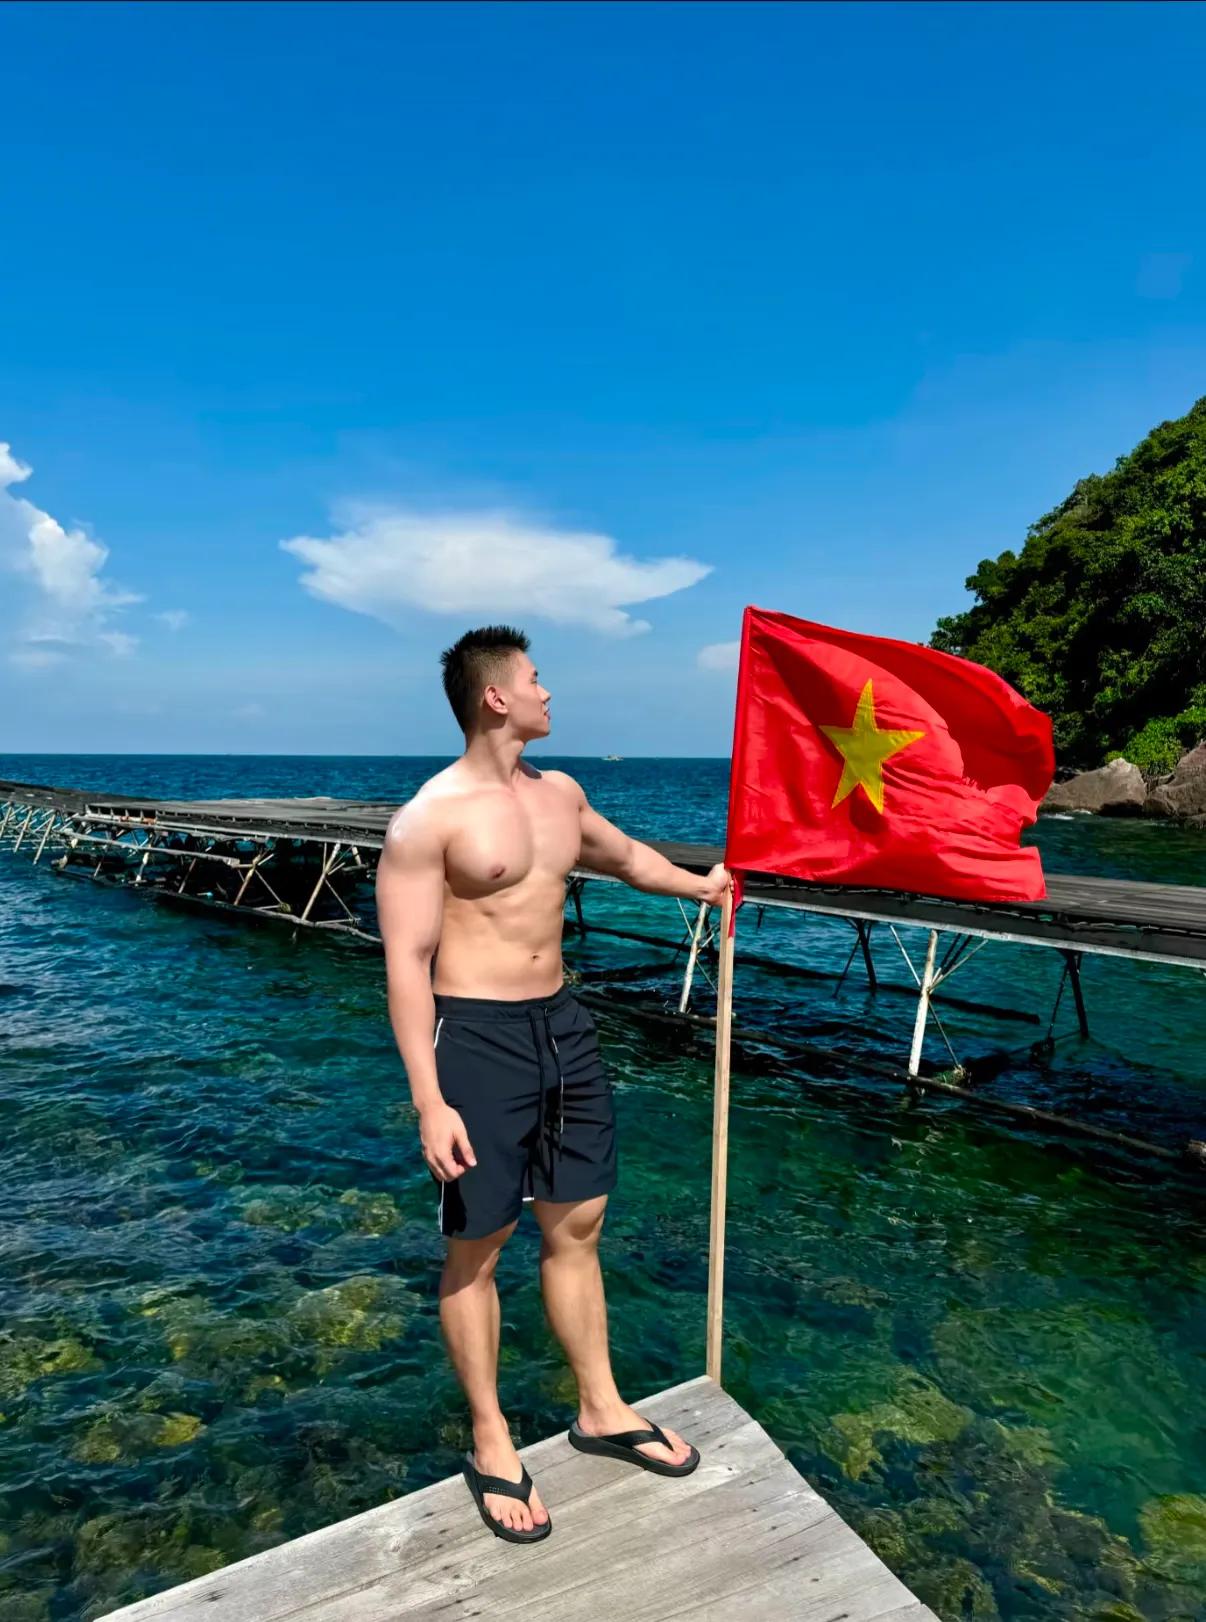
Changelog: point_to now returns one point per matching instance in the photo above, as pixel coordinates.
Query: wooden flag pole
(720, 1138)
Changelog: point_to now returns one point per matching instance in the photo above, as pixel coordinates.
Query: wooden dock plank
(743, 1536)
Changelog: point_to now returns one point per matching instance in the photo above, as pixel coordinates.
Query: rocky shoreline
(1121, 790)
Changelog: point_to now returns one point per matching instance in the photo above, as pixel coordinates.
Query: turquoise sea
(984, 1344)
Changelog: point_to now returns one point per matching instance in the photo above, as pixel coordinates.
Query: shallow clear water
(218, 1251)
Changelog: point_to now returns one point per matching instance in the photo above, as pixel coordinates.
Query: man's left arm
(608, 849)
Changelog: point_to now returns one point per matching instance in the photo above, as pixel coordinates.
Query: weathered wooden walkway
(744, 1536)
(1163, 923)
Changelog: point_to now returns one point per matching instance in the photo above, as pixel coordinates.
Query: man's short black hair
(470, 665)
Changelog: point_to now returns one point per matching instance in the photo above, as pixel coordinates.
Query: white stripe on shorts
(440, 1212)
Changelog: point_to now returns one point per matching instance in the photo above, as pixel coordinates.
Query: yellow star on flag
(864, 748)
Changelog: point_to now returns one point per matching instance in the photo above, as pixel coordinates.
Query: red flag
(862, 760)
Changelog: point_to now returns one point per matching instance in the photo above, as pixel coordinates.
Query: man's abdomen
(506, 944)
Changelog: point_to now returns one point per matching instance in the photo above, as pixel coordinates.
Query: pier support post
(691, 959)
(864, 940)
(923, 1004)
(863, 931)
(24, 826)
(327, 865)
(253, 866)
(45, 836)
(1073, 961)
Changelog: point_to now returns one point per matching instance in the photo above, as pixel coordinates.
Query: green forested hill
(1100, 619)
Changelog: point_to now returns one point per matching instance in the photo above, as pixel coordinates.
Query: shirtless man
(502, 1059)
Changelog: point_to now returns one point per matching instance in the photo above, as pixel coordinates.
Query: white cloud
(119, 643)
(35, 658)
(718, 656)
(11, 471)
(71, 603)
(248, 712)
(498, 565)
(174, 618)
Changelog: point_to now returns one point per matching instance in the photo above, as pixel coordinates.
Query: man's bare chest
(499, 840)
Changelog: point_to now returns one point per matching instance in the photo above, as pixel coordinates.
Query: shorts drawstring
(560, 1083)
(540, 1123)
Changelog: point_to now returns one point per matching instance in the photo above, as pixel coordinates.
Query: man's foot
(620, 1417)
(495, 1455)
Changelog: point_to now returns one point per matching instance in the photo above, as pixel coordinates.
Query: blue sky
(602, 319)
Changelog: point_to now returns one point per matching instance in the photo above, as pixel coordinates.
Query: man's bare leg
(572, 1284)
(469, 1318)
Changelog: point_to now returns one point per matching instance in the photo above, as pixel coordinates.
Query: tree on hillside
(1101, 618)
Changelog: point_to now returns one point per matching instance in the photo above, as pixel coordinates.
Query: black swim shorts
(529, 1084)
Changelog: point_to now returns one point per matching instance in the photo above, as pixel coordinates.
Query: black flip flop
(480, 1484)
(622, 1445)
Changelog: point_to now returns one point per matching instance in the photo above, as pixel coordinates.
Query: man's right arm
(410, 912)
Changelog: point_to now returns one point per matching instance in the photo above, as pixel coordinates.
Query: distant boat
(613, 757)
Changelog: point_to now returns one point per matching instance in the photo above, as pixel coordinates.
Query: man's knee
(474, 1260)
(570, 1226)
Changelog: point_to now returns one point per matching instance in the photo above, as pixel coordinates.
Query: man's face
(527, 700)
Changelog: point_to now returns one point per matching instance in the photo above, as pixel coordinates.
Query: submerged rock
(173, 1430)
(223, 1347)
(158, 1538)
(370, 1213)
(953, 1587)
(288, 1209)
(27, 1607)
(949, 1584)
(259, 1383)
(359, 1314)
(1030, 1445)
(916, 1411)
(1174, 1536)
(124, 1437)
(1116, 790)
(24, 1359)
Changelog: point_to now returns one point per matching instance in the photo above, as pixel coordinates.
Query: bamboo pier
(308, 864)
